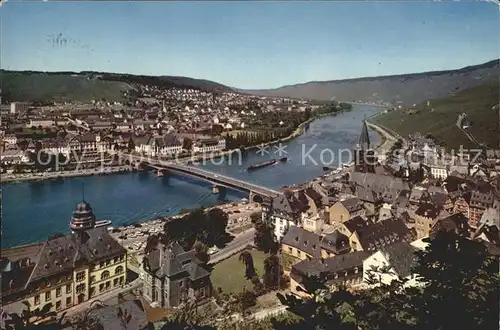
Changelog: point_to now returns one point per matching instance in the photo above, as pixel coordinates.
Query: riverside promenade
(22, 177)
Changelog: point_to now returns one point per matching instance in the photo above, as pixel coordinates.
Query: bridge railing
(199, 171)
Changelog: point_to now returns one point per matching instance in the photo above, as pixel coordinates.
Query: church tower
(364, 156)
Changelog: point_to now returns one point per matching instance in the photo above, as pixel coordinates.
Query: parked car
(213, 250)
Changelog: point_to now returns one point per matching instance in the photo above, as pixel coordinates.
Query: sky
(253, 45)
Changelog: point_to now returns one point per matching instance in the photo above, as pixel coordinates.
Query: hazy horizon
(258, 45)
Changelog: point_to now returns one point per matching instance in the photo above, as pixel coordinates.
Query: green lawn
(230, 273)
(440, 118)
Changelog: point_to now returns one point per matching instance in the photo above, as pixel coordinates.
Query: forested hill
(407, 88)
(85, 86)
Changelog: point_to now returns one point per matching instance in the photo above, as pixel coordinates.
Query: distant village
(338, 227)
(160, 122)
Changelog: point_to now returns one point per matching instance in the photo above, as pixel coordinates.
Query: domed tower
(83, 217)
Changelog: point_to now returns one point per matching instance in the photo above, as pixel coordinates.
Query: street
(237, 244)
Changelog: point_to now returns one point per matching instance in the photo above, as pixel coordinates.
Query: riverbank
(387, 140)
(26, 177)
(192, 159)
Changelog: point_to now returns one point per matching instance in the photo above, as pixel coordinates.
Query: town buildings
(66, 270)
(19, 107)
(172, 276)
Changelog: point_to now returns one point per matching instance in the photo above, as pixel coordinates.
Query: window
(122, 257)
(80, 276)
(68, 288)
(180, 284)
(119, 270)
(37, 299)
(104, 275)
(101, 287)
(58, 305)
(80, 288)
(115, 282)
(47, 296)
(68, 301)
(101, 264)
(122, 279)
(108, 285)
(290, 249)
(58, 292)
(115, 260)
(92, 279)
(108, 262)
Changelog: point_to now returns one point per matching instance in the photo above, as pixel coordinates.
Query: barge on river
(263, 164)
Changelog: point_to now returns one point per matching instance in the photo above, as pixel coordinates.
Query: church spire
(364, 138)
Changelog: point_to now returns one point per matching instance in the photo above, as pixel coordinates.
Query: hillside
(86, 86)
(440, 117)
(407, 88)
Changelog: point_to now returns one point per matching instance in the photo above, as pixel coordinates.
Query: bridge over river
(257, 193)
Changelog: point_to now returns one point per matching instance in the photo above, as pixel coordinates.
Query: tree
(272, 272)
(246, 300)
(187, 143)
(151, 243)
(131, 145)
(187, 318)
(457, 285)
(201, 252)
(216, 223)
(247, 259)
(263, 238)
(35, 319)
(255, 217)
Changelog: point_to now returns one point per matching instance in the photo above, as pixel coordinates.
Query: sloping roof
(378, 183)
(289, 203)
(108, 317)
(335, 242)
(367, 195)
(456, 222)
(491, 217)
(401, 256)
(355, 224)
(60, 254)
(321, 267)
(352, 204)
(303, 240)
(382, 233)
(173, 260)
(428, 210)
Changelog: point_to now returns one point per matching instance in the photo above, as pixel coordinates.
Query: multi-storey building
(286, 212)
(209, 145)
(172, 276)
(334, 272)
(65, 271)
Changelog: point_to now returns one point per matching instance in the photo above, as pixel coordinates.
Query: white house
(209, 145)
(169, 144)
(396, 259)
(10, 139)
(15, 156)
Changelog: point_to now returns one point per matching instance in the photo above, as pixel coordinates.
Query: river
(32, 211)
